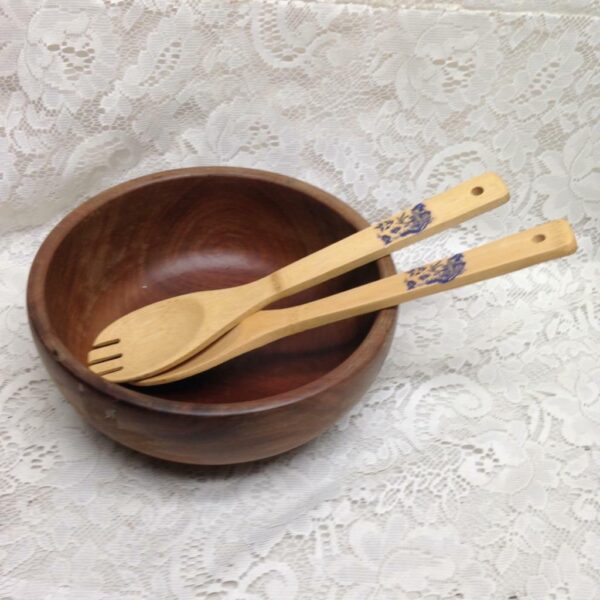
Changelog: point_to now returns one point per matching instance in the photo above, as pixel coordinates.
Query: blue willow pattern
(406, 223)
(441, 271)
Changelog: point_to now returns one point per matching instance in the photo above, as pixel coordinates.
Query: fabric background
(471, 470)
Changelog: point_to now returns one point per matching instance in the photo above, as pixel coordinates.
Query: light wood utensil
(162, 335)
(542, 243)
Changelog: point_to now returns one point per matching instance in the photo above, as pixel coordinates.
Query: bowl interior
(199, 233)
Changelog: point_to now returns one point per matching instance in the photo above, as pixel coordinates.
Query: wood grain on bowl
(199, 229)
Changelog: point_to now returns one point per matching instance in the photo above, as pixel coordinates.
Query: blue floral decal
(441, 271)
(406, 223)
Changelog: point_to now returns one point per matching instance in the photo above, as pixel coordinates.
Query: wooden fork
(161, 335)
(546, 242)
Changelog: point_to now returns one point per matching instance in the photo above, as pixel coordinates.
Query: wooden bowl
(197, 229)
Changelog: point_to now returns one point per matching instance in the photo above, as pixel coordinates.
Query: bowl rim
(40, 323)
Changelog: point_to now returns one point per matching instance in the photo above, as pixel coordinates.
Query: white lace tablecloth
(472, 468)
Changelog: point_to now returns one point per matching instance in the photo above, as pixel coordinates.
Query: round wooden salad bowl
(196, 229)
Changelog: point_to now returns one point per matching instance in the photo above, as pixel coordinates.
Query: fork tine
(108, 371)
(102, 359)
(103, 353)
(104, 343)
(101, 367)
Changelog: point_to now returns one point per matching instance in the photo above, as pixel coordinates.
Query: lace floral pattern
(471, 469)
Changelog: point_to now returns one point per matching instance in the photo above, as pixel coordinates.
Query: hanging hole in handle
(477, 191)
(540, 237)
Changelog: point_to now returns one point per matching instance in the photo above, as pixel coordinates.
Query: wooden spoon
(161, 335)
(542, 243)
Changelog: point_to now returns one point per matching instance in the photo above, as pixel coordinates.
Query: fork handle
(427, 218)
(545, 242)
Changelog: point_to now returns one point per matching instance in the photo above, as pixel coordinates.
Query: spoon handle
(539, 244)
(409, 226)
(545, 242)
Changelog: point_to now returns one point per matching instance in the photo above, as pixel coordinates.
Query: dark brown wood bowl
(198, 229)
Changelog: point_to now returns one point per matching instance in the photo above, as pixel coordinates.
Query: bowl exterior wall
(214, 439)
